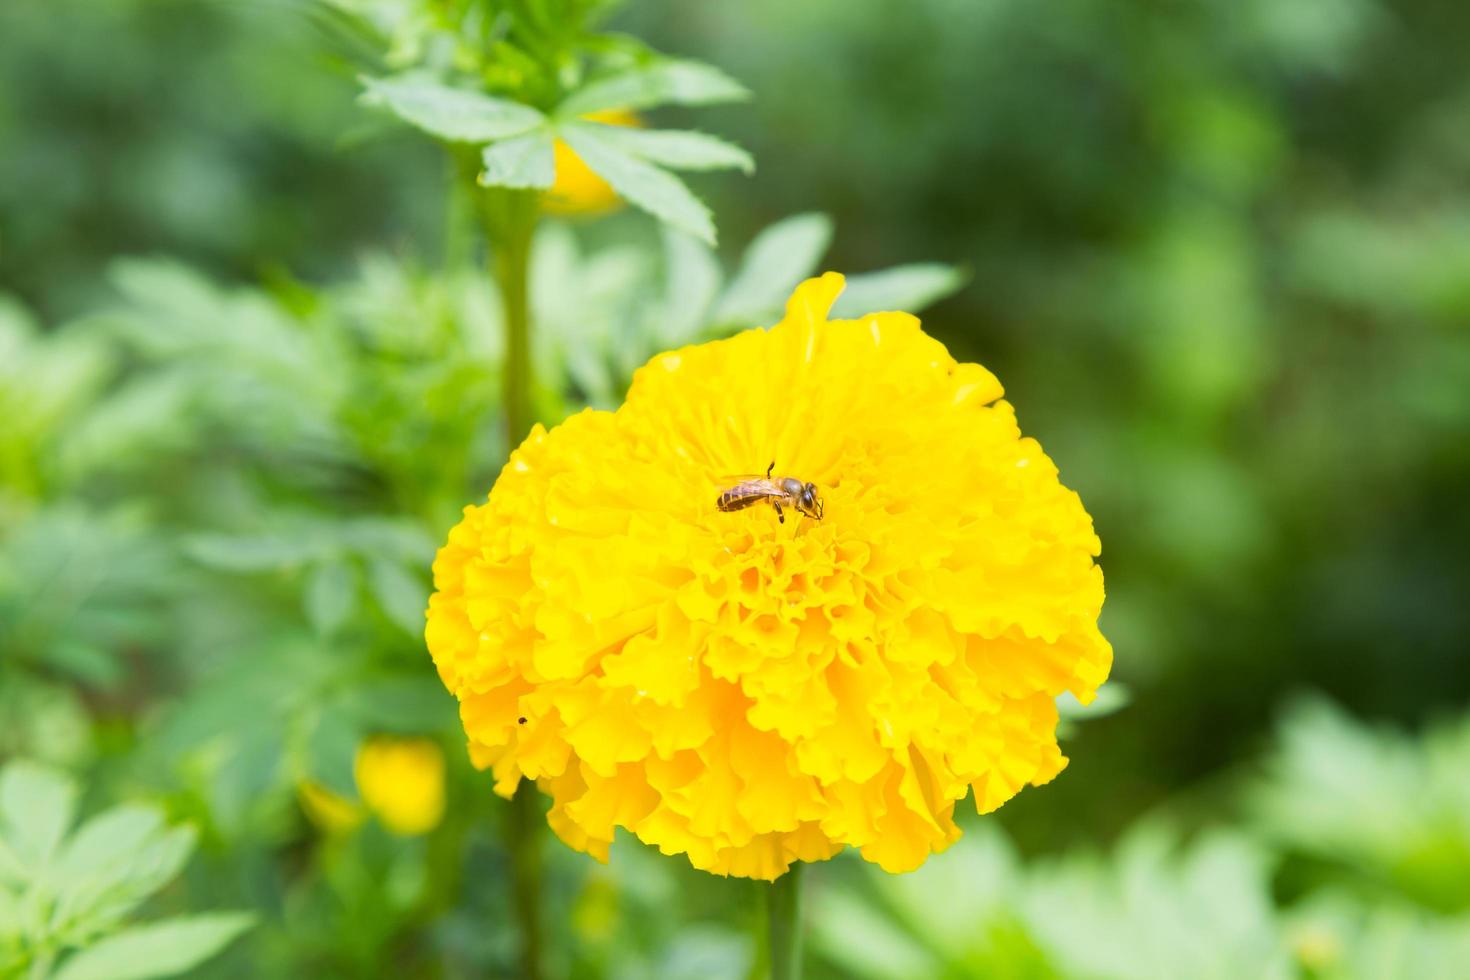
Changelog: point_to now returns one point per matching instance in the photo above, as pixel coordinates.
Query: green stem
(509, 219)
(783, 899)
(524, 842)
(511, 241)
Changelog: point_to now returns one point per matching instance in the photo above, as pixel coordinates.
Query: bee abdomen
(733, 500)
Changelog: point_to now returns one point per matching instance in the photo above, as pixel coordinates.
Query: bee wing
(755, 487)
(747, 493)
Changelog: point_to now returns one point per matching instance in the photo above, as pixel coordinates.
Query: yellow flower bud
(330, 811)
(401, 781)
(578, 189)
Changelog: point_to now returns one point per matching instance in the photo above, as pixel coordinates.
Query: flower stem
(511, 242)
(783, 899)
(524, 843)
(509, 219)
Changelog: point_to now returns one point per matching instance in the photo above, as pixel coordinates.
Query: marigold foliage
(578, 189)
(750, 693)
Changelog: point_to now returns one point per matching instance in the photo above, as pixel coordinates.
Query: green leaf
(160, 949)
(86, 662)
(451, 113)
(37, 805)
(908, 288)
(10, 919)
(402, 597)
(253, 552)
(691, 281)
(656, 191)
(11, 868)
(107, 836)
(705, 952)
(331, 592)
(780, 257)
(865, 943)
(679, 149)
(405, 705)
(388, 538)
(253, 769)
(940, 902)
(1111, 697)
(331, 751)
(115, 861)
(667, 82)
(520, 162)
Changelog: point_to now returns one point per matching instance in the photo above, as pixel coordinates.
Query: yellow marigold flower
(751, 692)
(577, 188)
(402, 782)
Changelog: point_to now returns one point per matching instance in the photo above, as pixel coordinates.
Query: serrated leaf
(656, 191)
(107, 837)
(114, 862)
(37, 805)
(402, 597)
(663, 83)
(906, 288)
(679, 149)
(449, 113)
(331, 593)
(160, 949)
(780, 257)
(520, 162)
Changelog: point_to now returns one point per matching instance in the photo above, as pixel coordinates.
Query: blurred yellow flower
(578, 189)
(751, 692)
(401, 781)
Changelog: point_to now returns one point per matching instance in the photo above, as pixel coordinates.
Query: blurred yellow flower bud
(401, 780)
(330, 811)
(579, 190)
(1316, 947)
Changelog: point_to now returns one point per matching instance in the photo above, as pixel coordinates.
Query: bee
(777, 490)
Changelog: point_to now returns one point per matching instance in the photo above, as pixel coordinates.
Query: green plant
(1389, 811)
(67, 897)
(1150, 909)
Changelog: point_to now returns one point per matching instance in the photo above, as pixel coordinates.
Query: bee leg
(780, 515)
(770, 468)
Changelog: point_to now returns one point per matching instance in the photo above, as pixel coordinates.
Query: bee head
(809, 503)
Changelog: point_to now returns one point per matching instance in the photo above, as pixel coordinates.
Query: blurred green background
(1219, 254)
